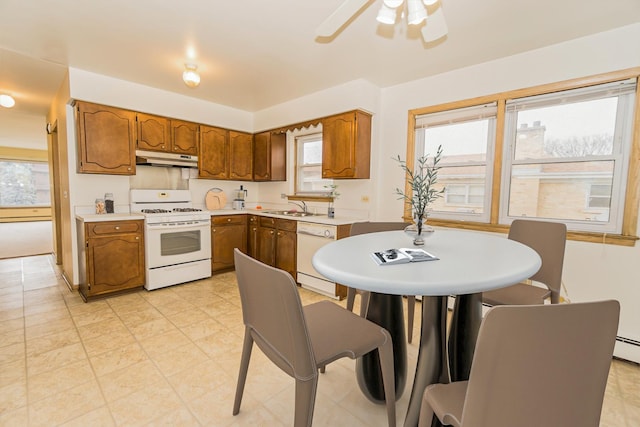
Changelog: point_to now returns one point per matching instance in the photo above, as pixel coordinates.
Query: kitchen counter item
(215, 199)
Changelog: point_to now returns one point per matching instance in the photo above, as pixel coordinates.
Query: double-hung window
(466, 136)
(309, 179)
(566, 156)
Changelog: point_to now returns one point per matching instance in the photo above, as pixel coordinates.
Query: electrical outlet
(364, 199)
(283, 196)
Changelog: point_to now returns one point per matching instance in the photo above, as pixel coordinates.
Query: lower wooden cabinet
(114, 257)
(277, 244)
(253, 222)
(227, 233)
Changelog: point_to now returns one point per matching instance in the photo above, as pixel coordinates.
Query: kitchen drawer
(267, 222)
(229, 220)
(96, 229)
(286, 224)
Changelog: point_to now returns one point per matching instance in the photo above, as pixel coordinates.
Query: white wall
(591, 271)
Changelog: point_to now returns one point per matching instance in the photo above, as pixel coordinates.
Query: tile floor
(171, 357)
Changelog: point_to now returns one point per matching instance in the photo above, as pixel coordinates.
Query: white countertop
(108, 217)
(470, 262)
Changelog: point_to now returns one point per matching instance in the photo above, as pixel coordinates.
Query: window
(561, 152)
(466, 136)
(309, 165)
(561, 148)
(24, 184)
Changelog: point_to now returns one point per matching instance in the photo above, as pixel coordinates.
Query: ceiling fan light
(7, 101)
(436, 28)
(417, 12)
(392, 3)
(386, 15)
(190, 75)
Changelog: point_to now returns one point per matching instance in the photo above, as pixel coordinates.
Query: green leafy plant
(422, 182)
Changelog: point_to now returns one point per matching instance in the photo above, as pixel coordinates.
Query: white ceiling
(255, 54)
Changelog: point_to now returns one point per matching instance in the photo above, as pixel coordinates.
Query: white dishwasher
(311, 237)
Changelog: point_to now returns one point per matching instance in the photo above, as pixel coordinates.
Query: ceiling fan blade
(340, 17)
(436, 26)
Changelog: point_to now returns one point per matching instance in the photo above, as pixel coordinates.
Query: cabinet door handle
(228, 219)
(117, 227)
(137, 238)
(271, 232)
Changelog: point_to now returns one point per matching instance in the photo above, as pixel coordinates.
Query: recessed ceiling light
(7, 101)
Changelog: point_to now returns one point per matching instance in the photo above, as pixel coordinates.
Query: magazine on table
(402, 256)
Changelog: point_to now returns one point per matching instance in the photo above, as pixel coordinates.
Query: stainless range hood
(152, 158)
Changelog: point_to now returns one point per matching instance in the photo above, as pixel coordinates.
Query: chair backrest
(373, 227)
(272, 311)
(548, 239)
(541, 365)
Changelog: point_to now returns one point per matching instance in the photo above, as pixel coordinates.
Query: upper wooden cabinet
(106, 139)
(270, 156)
(240, 156)
(214, 153)
(157, 133)
(346, 145)
(184, 137)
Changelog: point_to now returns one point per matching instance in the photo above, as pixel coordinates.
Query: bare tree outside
(583, 146)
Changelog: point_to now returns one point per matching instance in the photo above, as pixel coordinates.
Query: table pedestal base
(386, 311)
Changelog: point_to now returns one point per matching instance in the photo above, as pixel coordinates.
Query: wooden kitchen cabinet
(227, 233)
(240, 156)
(214, 153)
(270, 156)
(253, 222)
(184, 137)
(346, 145)
(106, 139)
(114, 257)
(153, 133)
(277, 244)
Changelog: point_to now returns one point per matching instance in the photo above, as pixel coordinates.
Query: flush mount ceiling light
(190, 75)
(7, 101)
(417, 11)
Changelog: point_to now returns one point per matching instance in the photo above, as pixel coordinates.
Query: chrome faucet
(303, 205)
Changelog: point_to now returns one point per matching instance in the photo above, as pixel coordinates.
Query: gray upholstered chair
(534, 365)
(549, 240)
(373, 227)
(301, 340)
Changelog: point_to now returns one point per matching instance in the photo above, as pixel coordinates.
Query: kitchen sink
(296, 214)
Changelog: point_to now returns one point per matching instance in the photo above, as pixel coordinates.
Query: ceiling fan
(417, 11)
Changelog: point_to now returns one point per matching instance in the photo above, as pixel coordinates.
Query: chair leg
(364, 302)
(351, 297)
(385, 353)
(305, 401)
(411, 308)
(426, 413)
(244, 366)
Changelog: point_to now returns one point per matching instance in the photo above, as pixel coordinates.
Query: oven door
(177, 244)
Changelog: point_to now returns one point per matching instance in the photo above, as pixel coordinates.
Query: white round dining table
(468, 263)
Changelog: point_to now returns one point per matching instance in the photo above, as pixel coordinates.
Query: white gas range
(177, 237)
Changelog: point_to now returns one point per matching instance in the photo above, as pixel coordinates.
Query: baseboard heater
(627, 349)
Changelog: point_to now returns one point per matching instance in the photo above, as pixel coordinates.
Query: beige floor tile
(178, 418)
(59, 380)
(200, 379)
(14, 313)
(220, 343)
(55, 358)
(100, 417)
(123, 382)
(12, 325)
(63, 407)
(100, 316)
(11, 337)
(117, 359)
(52, 341)
(13, 396)
(45, 317)
(13, 372)
(145, 405)
(188, 317)
(203, 329)
(179, 359)
(12, 353)
(141, 316)
(102, 329)
(110, 340)
(17, 417)
(45, 307)
(90, 307)
(215, 408)
(47, 328)
(160, 344)
(154, 327)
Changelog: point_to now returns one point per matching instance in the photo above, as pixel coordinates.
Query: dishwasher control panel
(318, 230)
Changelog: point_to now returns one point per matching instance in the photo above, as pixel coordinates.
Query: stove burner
(187, 210)
(154, 211)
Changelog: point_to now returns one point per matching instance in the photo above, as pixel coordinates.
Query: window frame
(300, 140)
(628, 235)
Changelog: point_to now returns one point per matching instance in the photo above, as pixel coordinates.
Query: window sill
(309, 198)
(579, 236)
